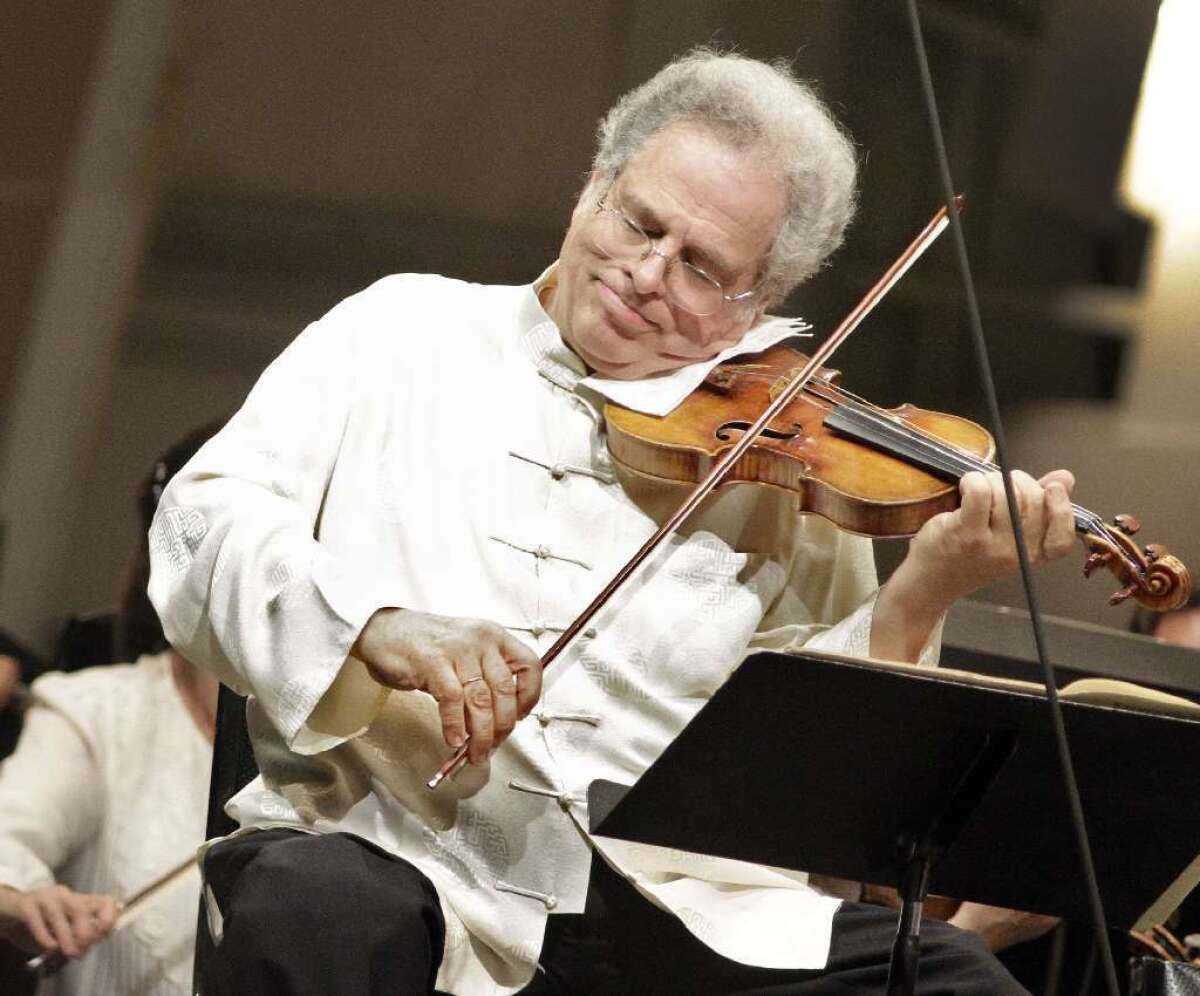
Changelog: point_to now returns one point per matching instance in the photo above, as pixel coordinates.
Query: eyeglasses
(617, 236)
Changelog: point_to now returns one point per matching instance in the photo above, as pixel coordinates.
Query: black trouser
(333, 914)
(329, 914)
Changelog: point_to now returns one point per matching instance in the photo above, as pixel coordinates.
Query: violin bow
(1079, 826)
(937, 224)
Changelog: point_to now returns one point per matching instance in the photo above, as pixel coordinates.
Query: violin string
(1083, 516)
(954, 460)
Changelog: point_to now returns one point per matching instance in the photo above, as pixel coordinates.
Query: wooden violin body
(881, 473)
(859, 489)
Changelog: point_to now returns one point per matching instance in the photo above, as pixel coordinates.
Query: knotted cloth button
(541, 552)
(558, 471)
(551, 902)
(543, 719)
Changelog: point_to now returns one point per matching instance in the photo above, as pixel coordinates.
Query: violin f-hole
(724, 428)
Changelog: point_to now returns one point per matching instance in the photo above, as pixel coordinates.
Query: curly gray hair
(760, 106)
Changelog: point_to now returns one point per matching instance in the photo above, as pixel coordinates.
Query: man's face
(715, 207)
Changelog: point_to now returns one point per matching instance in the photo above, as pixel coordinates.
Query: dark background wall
(293, 152)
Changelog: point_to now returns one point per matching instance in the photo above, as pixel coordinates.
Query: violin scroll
(1150, 575)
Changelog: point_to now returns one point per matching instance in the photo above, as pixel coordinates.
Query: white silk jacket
(434, 445)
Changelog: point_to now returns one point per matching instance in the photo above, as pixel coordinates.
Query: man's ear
(590, 195)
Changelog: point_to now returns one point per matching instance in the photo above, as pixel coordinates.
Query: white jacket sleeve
(829, 603)
(240, 582)
(50, 801)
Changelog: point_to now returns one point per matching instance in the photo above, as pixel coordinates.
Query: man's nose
(650, 271)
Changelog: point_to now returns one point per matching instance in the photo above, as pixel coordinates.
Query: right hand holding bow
(483, 679)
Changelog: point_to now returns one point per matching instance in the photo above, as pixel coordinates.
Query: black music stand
(923, 780)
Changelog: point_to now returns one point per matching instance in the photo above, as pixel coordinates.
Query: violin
(874, 471)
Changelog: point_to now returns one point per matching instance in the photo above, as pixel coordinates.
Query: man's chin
(616, 364)
(614, 371)
(631, 371)
(616, 367)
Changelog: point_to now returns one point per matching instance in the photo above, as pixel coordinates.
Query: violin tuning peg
(1095, 561)
(1117, 597)
(1154, 550)
(1126, 523)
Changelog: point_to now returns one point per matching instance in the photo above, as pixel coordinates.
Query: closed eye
(633, 227)
(651, 229)
(709, 268)
(648, 222)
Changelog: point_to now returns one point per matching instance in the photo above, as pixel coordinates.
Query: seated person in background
(1182, 626)
(10, 679)
(18, 667)
(106, 791)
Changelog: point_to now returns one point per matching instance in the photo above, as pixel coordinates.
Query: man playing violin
(416, 499)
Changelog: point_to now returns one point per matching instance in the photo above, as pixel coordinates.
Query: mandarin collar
(542, 342)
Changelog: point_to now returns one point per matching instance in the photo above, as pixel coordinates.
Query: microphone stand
(1099, 924)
